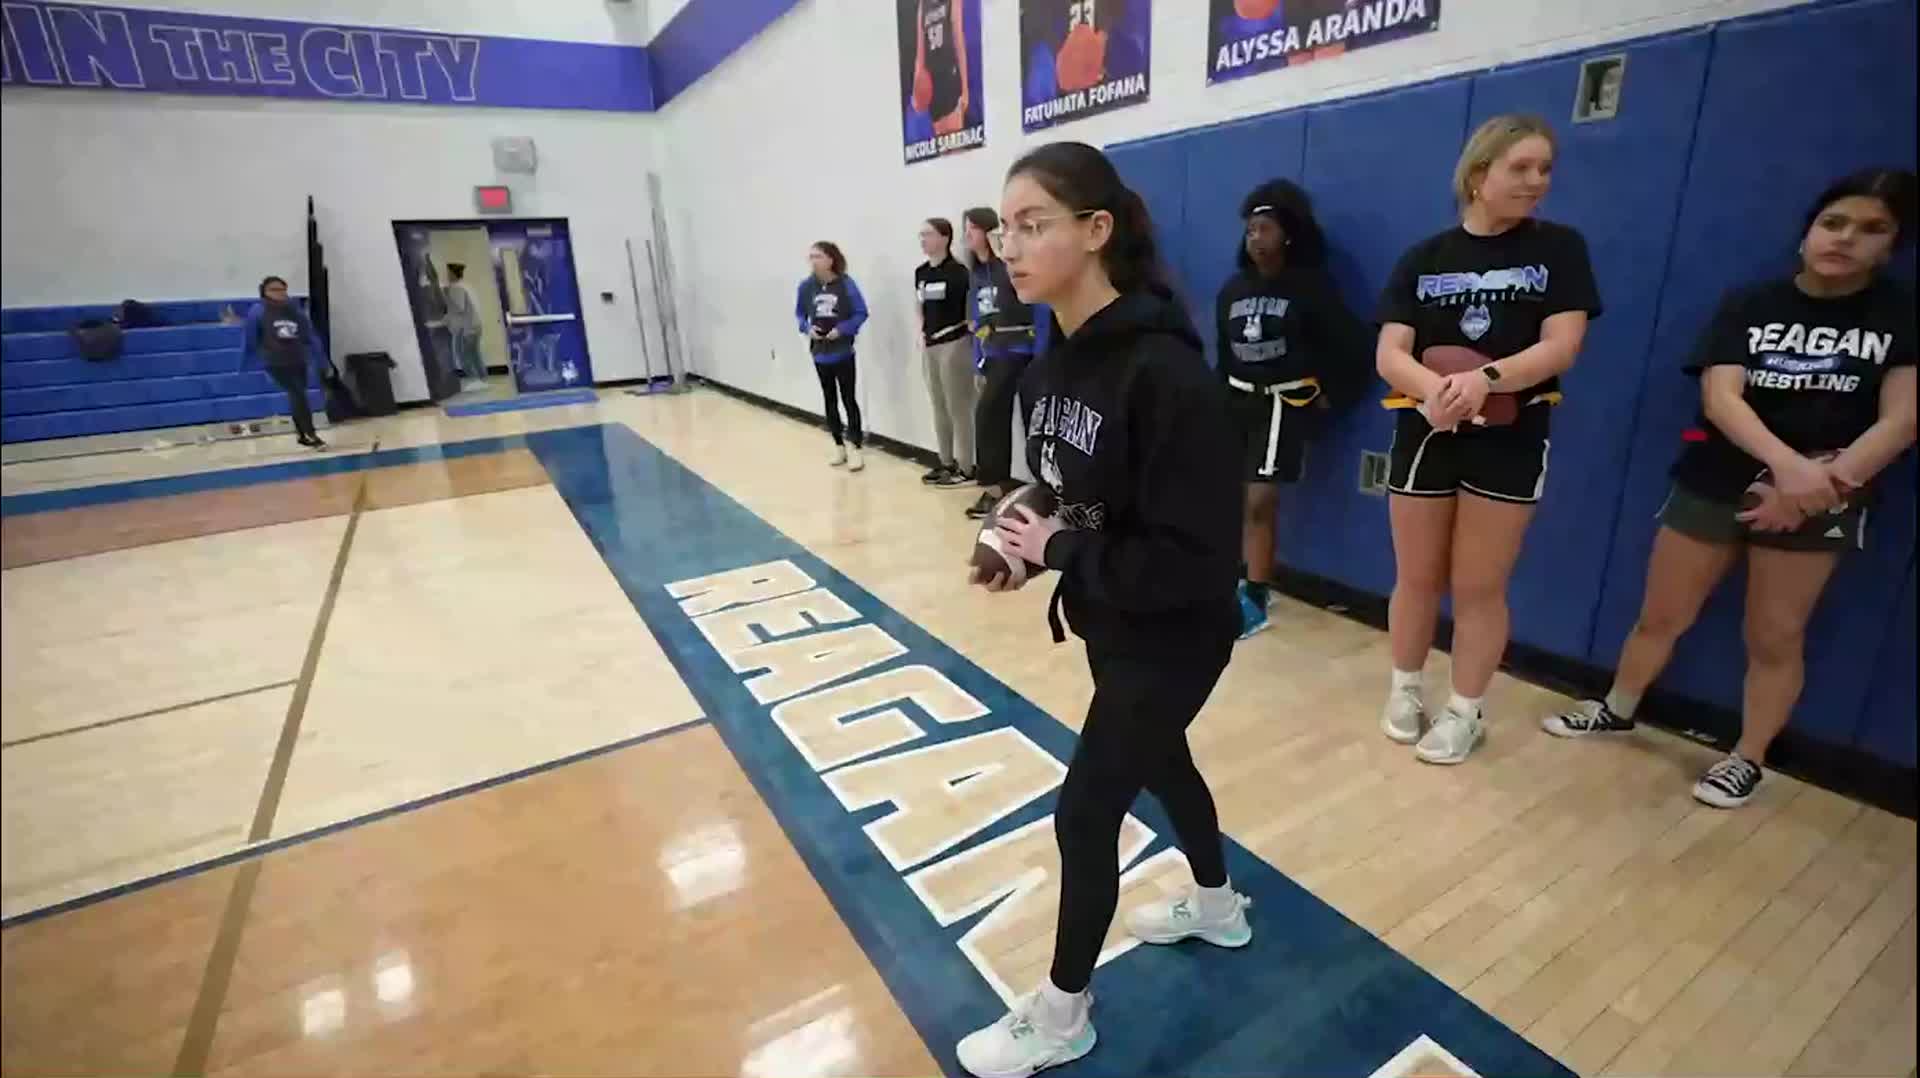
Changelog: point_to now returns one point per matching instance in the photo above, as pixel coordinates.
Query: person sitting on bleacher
(279, 336)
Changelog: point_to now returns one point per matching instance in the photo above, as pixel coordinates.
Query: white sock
(1214, 901)
(1621, 702)
(1063, 1010)
(1406, 681)
(1464, 705)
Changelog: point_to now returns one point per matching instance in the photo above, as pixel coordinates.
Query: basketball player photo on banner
(1247, 37)
(1081, 58)
(942, 104)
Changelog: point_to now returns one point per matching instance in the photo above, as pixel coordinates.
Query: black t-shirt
(942, 291)
(1491, 293)
(1289, 326)
(1813, 367)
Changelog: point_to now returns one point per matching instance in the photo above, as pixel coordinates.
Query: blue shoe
(1253, 615)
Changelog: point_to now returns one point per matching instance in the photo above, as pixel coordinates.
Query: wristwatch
(1492, 372)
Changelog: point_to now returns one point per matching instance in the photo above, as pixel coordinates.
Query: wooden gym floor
(630, 738)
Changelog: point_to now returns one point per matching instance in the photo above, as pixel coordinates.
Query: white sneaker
(1185, 918)
(856, 460)
(1021, 1043)
(1452, 739)
(839, 456)
(1404, 718)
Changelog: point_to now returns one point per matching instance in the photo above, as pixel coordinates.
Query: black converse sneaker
(1729, 783)
(983, 506)
(1586, 717)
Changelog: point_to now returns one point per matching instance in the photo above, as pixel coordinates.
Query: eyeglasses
(1030, 229)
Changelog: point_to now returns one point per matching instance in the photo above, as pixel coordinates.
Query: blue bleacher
(185, 372)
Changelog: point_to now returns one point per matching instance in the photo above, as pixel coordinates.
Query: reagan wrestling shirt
(1813, 370)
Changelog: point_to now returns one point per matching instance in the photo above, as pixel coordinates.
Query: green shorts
(1718, 522)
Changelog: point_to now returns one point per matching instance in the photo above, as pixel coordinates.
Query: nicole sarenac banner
(87, 46)
(1082, 57)
(942, 108)
(1246, 37)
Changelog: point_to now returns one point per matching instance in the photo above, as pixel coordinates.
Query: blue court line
(521, 404)
(1314, 994)
(274, 845)
(108, 493)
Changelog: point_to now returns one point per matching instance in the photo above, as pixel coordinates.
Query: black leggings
(841, 374)
(294, 381)
(993, 419)
(1135, 738)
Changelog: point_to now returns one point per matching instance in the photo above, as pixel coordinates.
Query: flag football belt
(1298, 393)
(1550, 398)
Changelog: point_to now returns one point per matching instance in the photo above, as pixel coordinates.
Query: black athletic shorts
(1710, 521)
(1505, 464)
(1273, 434)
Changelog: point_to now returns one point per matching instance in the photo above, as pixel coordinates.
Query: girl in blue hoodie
(831, 310)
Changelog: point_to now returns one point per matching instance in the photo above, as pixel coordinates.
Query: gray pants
(466, 356)
(950, 385)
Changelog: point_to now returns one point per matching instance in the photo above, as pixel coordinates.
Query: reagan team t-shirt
(1491, 293)
(1813, 369)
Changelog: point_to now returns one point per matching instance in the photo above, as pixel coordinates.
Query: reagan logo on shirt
(825, 304)
(286, 329)
(988, 300)
(1820, 341)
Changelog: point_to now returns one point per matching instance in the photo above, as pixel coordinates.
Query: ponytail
(1084, 181)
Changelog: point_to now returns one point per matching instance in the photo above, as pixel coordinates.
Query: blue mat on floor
(520, 404)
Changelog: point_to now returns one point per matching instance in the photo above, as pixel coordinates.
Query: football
(1500, 409)
(988, 557)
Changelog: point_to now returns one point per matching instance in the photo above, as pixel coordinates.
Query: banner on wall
(1247, 37)
(1081, 58)
(87, 46)
(942, 105)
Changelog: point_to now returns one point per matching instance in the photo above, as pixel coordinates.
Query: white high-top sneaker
(1454, 736)
(1188, 916)
(856, 461)
(839, 456)
(1027, 1039)
(1404, 718)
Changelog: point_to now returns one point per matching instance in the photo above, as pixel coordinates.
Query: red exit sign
(493, 199)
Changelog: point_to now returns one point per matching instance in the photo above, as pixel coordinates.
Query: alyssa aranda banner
(88, 46)
(942, 107)
(1082, 57)
(1246, 37)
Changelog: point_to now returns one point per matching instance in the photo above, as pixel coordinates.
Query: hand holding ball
(1010, 543)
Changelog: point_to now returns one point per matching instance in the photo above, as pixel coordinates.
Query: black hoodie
(1131, 429)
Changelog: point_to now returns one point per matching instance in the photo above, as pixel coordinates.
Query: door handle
(535, 319)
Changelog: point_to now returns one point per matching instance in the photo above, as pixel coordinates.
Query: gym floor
(630, 738)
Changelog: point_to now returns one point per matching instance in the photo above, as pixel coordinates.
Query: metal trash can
(372, 374)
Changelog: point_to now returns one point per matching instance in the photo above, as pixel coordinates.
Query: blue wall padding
(1157, 169)
(1618, 182)
(1379, 171)
(1887, 728)
(1223, 164)
(1777, 123)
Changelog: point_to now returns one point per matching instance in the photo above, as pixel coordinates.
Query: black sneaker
(954, 478)
(1729, 783)
(937, 476)
(1586, 717)
(983, 506)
